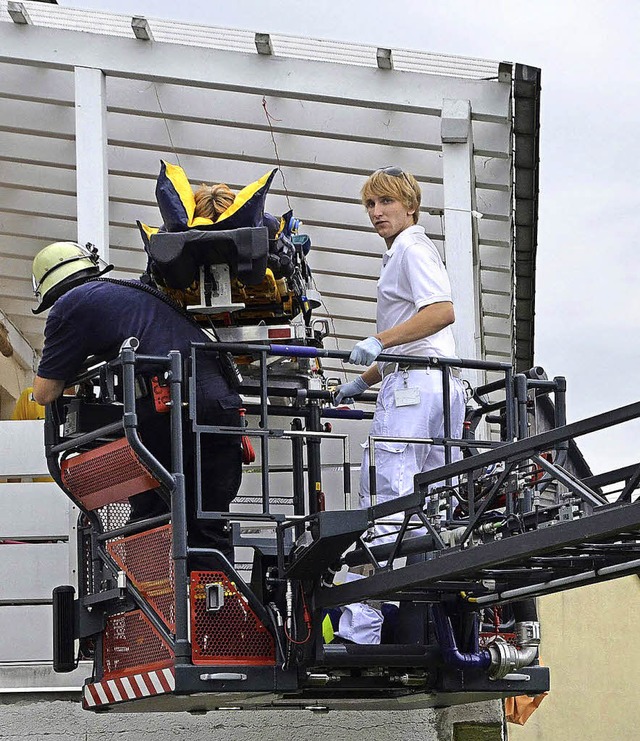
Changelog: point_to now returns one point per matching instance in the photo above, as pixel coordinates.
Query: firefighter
(92, 315)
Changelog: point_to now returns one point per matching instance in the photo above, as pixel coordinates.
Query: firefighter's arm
(46, 390)
(429, 320)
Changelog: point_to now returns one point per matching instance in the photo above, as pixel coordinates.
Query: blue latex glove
(366, 351)
(348, 391)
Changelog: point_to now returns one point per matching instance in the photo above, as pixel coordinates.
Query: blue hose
(449, 648)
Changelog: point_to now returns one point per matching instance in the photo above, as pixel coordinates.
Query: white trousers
(397, 463)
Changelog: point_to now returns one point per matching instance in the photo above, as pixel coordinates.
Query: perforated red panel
(131, 644)
(232, 635)
(110, 473)
(146, 559)
(484, 639)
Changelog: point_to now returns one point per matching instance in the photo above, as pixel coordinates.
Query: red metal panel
(110, 473)
(131, 645)
(147, 560)
(231, 635)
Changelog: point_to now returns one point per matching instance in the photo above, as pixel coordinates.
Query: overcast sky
(588, 269)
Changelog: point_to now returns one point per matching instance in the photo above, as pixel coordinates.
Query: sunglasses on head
(395, 172)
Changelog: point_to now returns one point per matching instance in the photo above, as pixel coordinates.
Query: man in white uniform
(414, 314)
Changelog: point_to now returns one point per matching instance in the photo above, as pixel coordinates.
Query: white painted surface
(91, 159)
(22, 448)
(26, 632)
(34, 510)
(461, 240)
(238, 40)
(30, 571)
(42, 517)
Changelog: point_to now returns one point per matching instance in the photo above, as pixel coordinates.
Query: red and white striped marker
(132, 687)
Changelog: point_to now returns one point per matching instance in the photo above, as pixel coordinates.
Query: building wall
(228, 114)
(589, 641)
(13, 379)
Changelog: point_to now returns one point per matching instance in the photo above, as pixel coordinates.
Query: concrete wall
(590, 643)
(59, 718)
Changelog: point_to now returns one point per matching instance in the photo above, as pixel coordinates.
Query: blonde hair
(400, 185)
(213, 200)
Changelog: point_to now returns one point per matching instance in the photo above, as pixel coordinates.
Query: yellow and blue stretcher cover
(177, 203)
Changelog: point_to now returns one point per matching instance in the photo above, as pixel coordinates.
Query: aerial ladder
(513, 514)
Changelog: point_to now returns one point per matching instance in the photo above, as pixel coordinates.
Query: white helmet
(61, 266)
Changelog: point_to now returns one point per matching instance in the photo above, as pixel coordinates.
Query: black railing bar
(518, 450)
(130, 421)
(286, 350)
(618, 475)
(487, 501)
(630, 486)
(521, 449)
(133, 527)
(88, 437)
(566, 478)
(239, 516)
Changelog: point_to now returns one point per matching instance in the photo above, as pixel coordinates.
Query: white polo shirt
(412, 276)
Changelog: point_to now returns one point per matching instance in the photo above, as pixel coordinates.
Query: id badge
(407, 397)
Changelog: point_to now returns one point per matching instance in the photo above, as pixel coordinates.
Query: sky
(588, 266)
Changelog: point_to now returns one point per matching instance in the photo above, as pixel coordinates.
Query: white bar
(226, 70)
(114, 690)
(128, 688)
(461, 247)
(91, 159)
(102, 694)
(171, 680)
(155, 681)
(141, 684)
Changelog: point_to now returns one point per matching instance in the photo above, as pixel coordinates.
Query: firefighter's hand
(366, 351)
(348, 391)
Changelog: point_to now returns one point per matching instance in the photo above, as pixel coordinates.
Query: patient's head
(213, 200)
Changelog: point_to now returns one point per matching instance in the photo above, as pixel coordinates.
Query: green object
(327, 629)
(477, 732)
